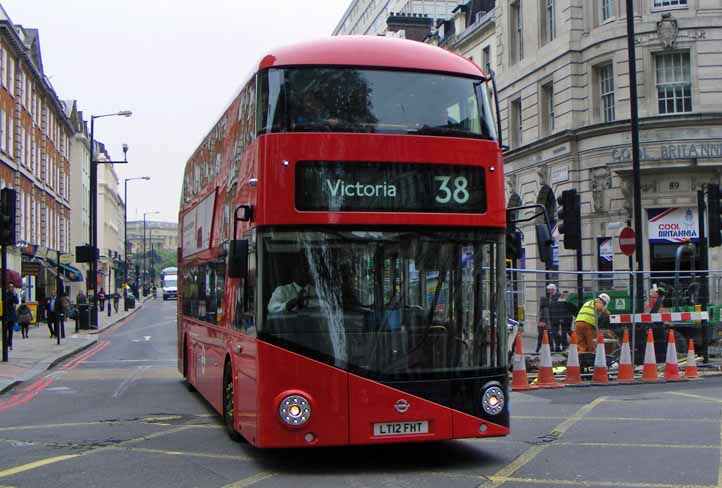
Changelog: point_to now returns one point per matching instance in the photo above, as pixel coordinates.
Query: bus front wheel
(229, 404)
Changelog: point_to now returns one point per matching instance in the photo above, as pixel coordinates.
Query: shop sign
(670, 151)
(676, 225)
(30, 269)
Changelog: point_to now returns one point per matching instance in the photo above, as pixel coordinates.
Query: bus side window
(244, 318)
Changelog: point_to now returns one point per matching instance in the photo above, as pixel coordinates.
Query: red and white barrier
(649, 318)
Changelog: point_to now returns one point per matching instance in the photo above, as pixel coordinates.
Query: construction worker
(586, 321)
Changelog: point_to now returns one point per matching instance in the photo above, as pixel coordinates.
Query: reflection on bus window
(391, 304)
(324, 99)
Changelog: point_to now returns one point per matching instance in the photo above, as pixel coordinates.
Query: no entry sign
(627, 241)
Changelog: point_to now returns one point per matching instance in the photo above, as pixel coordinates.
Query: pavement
(30, 357)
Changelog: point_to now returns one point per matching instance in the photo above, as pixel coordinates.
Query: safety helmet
(604, 298)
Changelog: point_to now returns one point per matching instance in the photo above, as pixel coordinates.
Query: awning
(71, 273)
(13, 277)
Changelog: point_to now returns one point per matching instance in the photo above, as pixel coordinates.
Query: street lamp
(94, 212)
(125, 233)
(145, 258)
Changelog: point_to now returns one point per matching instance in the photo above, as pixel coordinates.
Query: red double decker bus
(341, 275)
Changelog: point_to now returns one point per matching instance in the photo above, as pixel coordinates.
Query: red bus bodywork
(344, 405)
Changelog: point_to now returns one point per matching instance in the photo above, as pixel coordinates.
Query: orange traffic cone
(519, 379)
(626, 368)
(574, 376)
(546, 375)
(671, 368)
(649, 373)
(600, 376)
(690, 371)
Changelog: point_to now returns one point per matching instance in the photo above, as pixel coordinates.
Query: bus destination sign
(340, 186)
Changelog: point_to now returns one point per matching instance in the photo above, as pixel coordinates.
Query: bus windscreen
(338, 186)
(337, 99)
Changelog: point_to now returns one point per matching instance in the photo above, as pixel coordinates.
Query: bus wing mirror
(544, 244)
(238, 259)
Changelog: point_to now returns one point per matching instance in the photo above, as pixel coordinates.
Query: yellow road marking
(509, 479)
(162, 417)
(534, 451)
(185, 453)
(626, 419)
(698, 397)
(251, 480)
(719, 468)
(36, 464)
(55, 426)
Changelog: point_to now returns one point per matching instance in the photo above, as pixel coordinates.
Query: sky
(176, 64)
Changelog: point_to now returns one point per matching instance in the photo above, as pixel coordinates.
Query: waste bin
(83, 316)
(129, 302)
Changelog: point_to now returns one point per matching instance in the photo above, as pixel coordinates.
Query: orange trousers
(585, 337)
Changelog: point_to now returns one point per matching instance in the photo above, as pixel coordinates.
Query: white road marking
(123, 387)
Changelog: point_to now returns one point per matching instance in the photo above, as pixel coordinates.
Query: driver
(299, 293)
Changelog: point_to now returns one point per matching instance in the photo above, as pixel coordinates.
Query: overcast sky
(175, 63)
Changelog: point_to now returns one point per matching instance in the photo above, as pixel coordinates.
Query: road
(120, 416)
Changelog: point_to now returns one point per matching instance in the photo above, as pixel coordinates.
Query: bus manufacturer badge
(401, 406)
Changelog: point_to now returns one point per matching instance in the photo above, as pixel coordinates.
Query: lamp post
(94, 213)
(144, 251)
(125, 237)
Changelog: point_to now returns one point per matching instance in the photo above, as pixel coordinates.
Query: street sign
(66, 258)
(627, 241)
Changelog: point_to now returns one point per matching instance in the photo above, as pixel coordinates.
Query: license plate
(401, 428)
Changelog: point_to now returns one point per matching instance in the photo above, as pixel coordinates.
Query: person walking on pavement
(585, 324)
(116, 301)
(25, 316)
(101, 299)
(53, 307)
(11, 317)
(544, 319)
(64, 311)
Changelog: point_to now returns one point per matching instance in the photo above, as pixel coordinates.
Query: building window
(669, 3)
(607, 9)
(515, 122)
(517, 32)
(674, 88)
(486, 58)
(547, 108)
(605, 77)
(548, 21)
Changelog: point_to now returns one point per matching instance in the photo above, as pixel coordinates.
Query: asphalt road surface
(119, 415)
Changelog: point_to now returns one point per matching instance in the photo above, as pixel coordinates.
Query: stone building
(564, 96)
(370, 18)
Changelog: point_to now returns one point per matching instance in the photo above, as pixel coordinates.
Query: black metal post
(704, 274)
(59, 294)
(93, 304)
(636, 178)
(5, 330)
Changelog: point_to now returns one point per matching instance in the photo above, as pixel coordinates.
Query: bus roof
(371, 51)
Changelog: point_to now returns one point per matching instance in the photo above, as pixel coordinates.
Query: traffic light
(513, 243)
(7, 217)
(570, 219)
(713, 215)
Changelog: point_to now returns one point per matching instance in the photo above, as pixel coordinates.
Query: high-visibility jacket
(587, 313)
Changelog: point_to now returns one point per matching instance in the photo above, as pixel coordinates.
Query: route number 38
(458, 193)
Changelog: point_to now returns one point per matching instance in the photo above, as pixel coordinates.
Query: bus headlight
(493, 400)
(295, 410)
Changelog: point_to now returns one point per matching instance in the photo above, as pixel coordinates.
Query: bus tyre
(188, 383)
(229, 404)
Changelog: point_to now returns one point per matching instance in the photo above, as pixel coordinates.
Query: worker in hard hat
(586, 320)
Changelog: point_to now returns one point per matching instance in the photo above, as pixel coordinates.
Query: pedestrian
(64, 311)
(81, 298)
(25, 316)
(101, 299)
(116, 301)
(53, 310)
(11, 317)
(544, 318)
(586, 321)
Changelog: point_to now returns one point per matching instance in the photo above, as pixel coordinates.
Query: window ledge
(611, 19)
(671, 7)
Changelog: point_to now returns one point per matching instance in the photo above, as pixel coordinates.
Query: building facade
(111, 224)
(369, 17)
(564, 96)
(35, 136)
